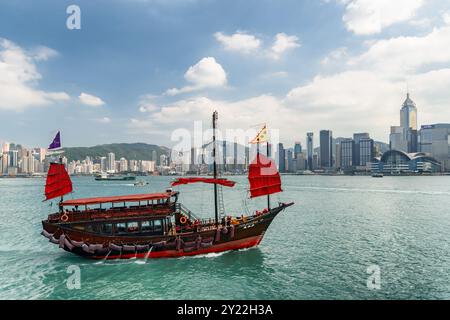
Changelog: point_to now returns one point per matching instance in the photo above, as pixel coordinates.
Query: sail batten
(58, 181)
(263, 177)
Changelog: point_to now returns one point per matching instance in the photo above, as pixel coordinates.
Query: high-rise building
(297, 149)
(103, 164)
(366, 150)
(337, 147)
(397, 139)
(405, 137)
(111, 162)
(123, 165)
(281, 158)
(224, 156)
(347, 147)
(235, 156)
(5, 163)
(5, 147)
(290, 161)
(435, 140)
(310, 149)
(408, 114)
(357, 137)
(326, 152)
(13, 158)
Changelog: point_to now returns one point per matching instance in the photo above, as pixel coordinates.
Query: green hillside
(129, 151)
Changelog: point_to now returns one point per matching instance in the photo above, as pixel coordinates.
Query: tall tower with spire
(408, 114)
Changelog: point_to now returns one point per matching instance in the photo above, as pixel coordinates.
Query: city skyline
(309, 66)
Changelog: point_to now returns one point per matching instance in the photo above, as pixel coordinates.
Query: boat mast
(216, 208)
(268, 196)
(61, 199)
(257, 159)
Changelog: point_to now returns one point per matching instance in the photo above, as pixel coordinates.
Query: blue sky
(139, 69)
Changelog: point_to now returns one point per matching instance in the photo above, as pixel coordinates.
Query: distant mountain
(129, 151)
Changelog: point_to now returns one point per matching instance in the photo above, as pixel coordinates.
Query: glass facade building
(435, 140)
(326, 152)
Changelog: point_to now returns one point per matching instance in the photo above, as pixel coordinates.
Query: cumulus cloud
(90, 100)
(207, 73)
(366, 17)
(407, 54)
(246, 43)
(19, 78)
(239, 42)
(283, 43)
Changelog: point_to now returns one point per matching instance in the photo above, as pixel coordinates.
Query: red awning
(223, 182)
(114, 199)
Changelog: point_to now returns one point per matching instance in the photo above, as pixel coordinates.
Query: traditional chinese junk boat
(157, 225)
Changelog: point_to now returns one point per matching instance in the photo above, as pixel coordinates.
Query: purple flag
(56, 143)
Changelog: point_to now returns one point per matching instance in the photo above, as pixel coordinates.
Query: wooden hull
(244, 235)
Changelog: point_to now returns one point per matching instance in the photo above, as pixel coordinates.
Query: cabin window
(157, 226)
(107, 228)
(146, 226)
(132, 227)
(121, 227)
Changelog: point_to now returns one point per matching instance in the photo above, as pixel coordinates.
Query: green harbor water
(318, 249)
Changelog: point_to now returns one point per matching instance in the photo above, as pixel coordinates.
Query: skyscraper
(224, 155)
(111, 162)
(281, 158)
(408, 114)
(347, 147)
(405, 137)
(326, 152)
(13, 158)
(435, 140)
(310, 149)
(366, 151)
(357, 137)
(297, 149)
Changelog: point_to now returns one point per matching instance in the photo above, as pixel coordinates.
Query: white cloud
(406, 54)
(249, 44)
(239, 42)
(42, 53)
(336, 55)
(446, 18)
(90, 100)
(146, 103)
(365, 17)
(19, 78)
(104, 120)
(207, 73)
(283, 43)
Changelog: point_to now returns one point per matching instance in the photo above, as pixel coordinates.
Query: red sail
(58, 181)
(223, 182)
(263, 177)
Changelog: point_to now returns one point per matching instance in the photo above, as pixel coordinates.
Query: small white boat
(140, 183)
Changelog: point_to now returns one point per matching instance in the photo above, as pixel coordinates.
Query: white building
(111, 162)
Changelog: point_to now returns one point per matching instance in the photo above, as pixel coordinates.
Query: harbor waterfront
(321, 248)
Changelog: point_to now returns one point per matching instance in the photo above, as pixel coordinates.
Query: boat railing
(182, 209)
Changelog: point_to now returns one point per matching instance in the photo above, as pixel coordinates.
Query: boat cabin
(116, 207)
